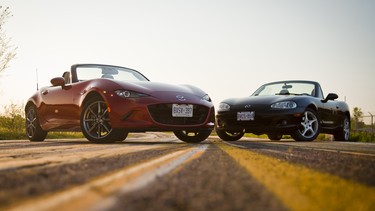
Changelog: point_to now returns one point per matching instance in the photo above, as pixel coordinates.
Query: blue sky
(226, 47)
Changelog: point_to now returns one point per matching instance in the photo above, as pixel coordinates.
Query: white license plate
(245, 116)
(182, 110)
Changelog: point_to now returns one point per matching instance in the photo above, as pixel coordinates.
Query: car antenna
(37, 83)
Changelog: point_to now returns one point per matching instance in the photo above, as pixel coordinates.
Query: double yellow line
(301, 188)
(102, 192)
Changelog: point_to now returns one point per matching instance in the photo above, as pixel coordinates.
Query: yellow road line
(301, 188)
(100, 193)
(66, 156)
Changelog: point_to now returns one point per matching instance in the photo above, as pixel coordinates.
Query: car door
(58, 108)
(329, 114)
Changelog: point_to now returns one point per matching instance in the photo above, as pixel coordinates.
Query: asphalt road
(156, 171)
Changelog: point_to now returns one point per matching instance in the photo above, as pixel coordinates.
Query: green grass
(5, 134)
(60, 135)
(362, 137)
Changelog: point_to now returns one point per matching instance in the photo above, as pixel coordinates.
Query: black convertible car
(297, 108)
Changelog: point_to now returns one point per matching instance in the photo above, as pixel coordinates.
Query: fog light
(284, 122)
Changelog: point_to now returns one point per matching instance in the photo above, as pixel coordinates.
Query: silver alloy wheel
(96, 120)
(310, 125)
(33, 130)
(346, 128)
(31, 123)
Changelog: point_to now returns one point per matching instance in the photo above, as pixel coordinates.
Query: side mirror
(58, 81)
(330, 96)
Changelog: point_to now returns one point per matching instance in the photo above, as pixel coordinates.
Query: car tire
(192, 136)
(95, 122)
(33, 130)
(310, 126)
(274, 136)
(229, 136)
(343, 134)
(122, 135)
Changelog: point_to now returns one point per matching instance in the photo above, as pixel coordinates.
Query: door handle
(44, 92)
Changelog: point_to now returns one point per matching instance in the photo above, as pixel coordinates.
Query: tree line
(12, 124)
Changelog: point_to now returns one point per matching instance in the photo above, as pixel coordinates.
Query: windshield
(88, 72)
(286, 88)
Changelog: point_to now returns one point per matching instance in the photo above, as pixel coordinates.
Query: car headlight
(129, 94)
(284, 105)
(224, 107)
(206, 98)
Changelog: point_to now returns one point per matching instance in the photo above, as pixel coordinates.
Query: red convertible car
(107, 102)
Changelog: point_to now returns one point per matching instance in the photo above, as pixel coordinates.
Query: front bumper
(150, 114)
(281, 121)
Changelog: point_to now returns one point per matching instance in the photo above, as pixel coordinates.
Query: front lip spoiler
(286, 122)
(262, 130)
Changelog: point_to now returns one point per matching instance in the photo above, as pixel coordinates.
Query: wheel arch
(347, 113)
(35, 100)
(91, 95)
(28, 104)
(313, 107)
(39, 112)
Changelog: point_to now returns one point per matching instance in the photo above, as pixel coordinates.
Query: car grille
(162, 113)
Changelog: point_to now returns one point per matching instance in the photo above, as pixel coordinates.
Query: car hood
(257, 100)
(161, 90)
